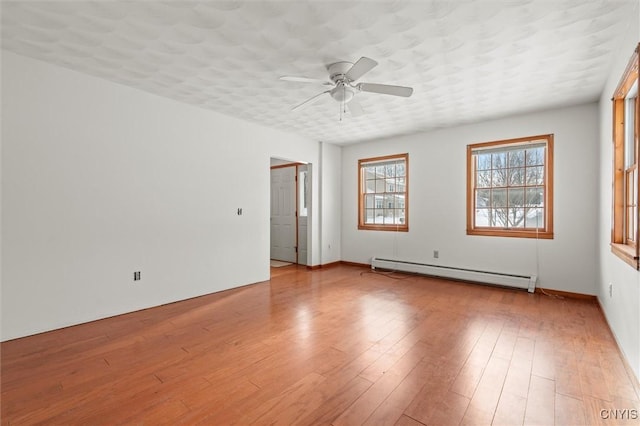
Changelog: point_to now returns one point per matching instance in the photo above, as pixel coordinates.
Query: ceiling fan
(342, 76)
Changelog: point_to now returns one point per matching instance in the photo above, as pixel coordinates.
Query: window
(510, 188)
(303, 186)
(383, 193)
(624, 232)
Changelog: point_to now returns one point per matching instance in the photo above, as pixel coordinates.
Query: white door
(283, 214)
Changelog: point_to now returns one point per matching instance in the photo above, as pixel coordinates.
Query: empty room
(320, 212)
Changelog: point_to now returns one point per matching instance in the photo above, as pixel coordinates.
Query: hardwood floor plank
(341, 345)
(450, 411)
(510, 410)
(468, 379)
(569, 411)
(541, 402)
(487, 394)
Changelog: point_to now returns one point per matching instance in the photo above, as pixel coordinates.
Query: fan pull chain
(343, 104)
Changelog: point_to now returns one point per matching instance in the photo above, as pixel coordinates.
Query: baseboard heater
(527, 282)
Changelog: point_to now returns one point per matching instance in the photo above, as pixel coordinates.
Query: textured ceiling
(466, 60)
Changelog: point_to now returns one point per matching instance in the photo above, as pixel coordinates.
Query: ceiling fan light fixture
(343, 93)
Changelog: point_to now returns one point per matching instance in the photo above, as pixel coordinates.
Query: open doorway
(290, 208)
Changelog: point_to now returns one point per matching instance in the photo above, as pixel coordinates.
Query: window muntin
(383, 193)
(626, 108)
(510, 188)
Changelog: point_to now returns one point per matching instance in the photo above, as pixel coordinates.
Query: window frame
(544, 233)
(361, 194)
(621, 245)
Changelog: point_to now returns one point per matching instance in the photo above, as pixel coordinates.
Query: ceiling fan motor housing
(343, 92)
(338, 71)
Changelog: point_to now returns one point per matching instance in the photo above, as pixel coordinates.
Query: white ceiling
(466, 60)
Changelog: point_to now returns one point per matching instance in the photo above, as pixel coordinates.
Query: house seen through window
(383, 193)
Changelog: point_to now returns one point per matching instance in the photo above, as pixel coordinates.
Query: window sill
(542, 235)
(626, 253)
(393, 228)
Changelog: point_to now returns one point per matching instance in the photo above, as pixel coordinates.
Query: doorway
(290, 207)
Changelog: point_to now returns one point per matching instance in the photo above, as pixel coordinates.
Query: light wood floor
(339, 346)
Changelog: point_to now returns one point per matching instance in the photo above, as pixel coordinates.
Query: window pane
(400, 185)
(534, 196)
(535, 175)
(499, 177)
(516, 218)
(482, 217)
(483, 197)
(483, 161)
(516, 197)
(535, 156)
(369, 201)
(635, 193)
(516, 158)
(370, 172)
(380, 188)
(379, 216)
(535, 218)
(500, 217)
(369, 216)
(390, 185)
(370, 186)
(516, 176)
(388, 216)
(629, 140)
(634, 222)
(630, 187)
(401, 169)
(389, 202)
(499, 198)
(499, 160)
(631, 224)
(483, 179)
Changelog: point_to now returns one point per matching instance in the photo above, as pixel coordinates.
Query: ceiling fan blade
(309, 100)
(386, 89)
(304, 79)
(360, 68)
(355, 108)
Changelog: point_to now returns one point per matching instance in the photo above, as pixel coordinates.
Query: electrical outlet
(436, 254)
(136, 276)
(610, 289)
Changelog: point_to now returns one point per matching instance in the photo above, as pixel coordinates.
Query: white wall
(437, 201)
(331, 199)
(100, 180)
(622, 309)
